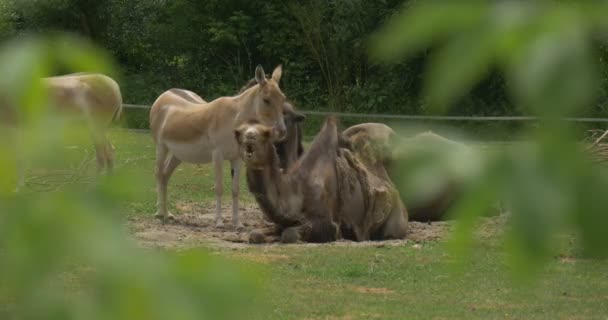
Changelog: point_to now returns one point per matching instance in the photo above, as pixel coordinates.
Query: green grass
(402, 282)
(408, 283)
(135, 152)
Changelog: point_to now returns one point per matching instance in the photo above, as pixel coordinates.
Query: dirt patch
(367, 290)
(265, 258)
(194, 226)
(344, 317)
(433, 231)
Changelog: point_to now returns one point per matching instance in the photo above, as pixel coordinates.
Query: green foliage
(65, 254)
(545, 51)
(212, 47)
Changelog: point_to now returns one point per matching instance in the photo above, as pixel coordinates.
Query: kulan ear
(277, 73)
(260, 76)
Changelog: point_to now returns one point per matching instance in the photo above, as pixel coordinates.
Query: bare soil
(194, 226)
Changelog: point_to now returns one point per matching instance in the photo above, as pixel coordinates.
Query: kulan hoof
(290, 236)
(257, 237)
(219, 223)
(239, 227)
(164, 217)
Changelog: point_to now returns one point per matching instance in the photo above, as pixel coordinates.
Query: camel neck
(269, 186)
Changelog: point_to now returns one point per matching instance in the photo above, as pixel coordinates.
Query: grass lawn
(407, 281)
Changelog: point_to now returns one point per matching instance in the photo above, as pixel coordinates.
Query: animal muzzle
(280, 130)
(248, 153)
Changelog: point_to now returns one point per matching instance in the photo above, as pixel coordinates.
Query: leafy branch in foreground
(544, 49)
(64, 254)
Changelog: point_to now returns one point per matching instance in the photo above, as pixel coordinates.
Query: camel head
(255, 143)
(269, 100)
(292, 117)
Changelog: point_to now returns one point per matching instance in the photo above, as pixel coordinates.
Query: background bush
(212, 47)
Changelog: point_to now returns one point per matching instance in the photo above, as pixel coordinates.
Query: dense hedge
(213, 46)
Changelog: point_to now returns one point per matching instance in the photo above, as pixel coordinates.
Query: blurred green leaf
(545, 48)
(24, 62)
(556, 69)
(64, 254)
(422, 23)
(458, 66)
(76, 54)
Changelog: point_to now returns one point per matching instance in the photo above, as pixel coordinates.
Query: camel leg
(162, 179)
(318, 231)
(295, 234)
(396, 224)
(236, 170)
(219, 187)
(263, 235)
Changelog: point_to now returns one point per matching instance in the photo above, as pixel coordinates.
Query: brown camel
(188, 130)
(380, 148)
(327, 195)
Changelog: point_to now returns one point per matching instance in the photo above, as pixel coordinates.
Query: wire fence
(477, 137)
(419, 117)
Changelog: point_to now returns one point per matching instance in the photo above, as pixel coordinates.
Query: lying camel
(187, 129)
(327, 195)
(96, 98)
(380, 148)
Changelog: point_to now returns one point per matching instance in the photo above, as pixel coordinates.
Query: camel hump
(372, 129)
(325, 146)
(328, 137)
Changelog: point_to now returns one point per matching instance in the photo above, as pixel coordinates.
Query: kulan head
(269, 101)
(255, 143)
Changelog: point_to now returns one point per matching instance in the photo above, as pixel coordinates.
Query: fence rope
(417, 117)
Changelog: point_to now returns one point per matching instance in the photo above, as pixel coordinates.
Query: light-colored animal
(382, 149)
(96, 98)
(187, 130)
(327, 195)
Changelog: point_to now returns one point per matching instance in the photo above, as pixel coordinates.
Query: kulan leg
(109, 156)
(219, 187)
(236, 171)
(162, 156)
(100, 141)
(100, 155)
(170, 165)
(108, 151)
